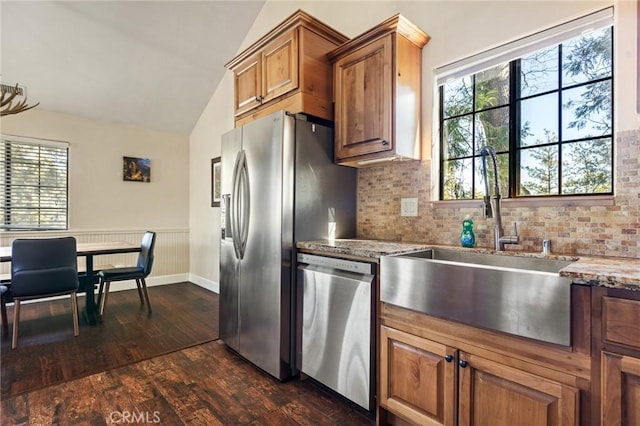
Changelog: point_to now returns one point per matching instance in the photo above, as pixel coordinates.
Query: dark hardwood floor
(184, 315)
(204, 384)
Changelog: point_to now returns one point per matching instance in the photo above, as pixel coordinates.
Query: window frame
(515, 51)
(5, 223)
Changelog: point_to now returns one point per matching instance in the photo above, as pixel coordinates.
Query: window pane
(587, 58)
(492, 87)
(539, 72)
(458, 97)
(563, 114)
(587, 167)
(492, 128)
(503, 176)
(457, 183)
(34, 186)
(457, 138)
(539, 120)
(586, 111)
(539, 171)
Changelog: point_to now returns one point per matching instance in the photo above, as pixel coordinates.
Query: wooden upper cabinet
(363, 107)
(280, 59)
(377, 94)
(286, 69)
(248, 84)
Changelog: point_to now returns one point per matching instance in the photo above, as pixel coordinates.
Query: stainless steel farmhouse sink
(520, 295)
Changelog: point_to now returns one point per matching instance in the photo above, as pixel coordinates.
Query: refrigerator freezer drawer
(336, 330)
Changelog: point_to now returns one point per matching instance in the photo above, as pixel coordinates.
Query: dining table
(88, 278)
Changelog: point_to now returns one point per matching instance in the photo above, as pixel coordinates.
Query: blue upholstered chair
(43, 267)
(138, 273)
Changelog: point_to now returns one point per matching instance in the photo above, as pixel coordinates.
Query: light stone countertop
(362, 248)
(612, 272)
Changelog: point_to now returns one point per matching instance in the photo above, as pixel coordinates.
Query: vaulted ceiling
(153, 64)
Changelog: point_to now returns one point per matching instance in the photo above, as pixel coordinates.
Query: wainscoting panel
(171, 251)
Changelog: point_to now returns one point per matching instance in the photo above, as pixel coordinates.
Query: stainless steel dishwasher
(337, 337)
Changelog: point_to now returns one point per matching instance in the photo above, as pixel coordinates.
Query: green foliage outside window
(548, 116)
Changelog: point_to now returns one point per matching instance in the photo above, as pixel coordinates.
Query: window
(34, 184)
(547, 111)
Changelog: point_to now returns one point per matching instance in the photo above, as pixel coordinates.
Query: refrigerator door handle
(234, 208)
(245, 211)
(225, 218)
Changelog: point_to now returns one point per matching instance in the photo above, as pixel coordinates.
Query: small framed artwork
(136, 169)
(215, 182)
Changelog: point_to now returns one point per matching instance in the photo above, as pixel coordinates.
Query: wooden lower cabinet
(493, 394)
(429, 383)
(620, 399)
(417, 378)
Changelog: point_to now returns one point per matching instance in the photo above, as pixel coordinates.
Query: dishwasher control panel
(335, 263)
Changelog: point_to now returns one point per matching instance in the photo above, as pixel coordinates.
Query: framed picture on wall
(215, 182)
(136, 169)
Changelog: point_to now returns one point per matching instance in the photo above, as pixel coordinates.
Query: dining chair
(138, 273)
(43, 267)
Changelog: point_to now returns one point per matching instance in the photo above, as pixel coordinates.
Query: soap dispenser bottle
(467, 238)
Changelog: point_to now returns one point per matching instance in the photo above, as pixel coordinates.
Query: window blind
(34, 176)
(524, 46)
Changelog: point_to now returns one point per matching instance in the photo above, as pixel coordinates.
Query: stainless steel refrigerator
(279, 185)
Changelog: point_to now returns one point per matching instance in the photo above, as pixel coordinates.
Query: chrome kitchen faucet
(499, 239)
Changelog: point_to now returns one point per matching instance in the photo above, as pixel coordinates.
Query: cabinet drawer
(621, 321)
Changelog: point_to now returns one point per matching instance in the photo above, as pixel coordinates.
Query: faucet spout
(499, 238)
(489, 150)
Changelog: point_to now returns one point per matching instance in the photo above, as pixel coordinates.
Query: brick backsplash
(594, 230)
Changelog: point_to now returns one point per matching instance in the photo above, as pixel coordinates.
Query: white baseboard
(205, 283)
(151, 282)
(170, 279)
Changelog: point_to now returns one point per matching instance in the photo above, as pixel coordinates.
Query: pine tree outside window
(547, 111)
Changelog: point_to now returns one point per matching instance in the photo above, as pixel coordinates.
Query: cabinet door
(280, 66)
(248, 84)
(620, 399)
(493, 394)
(363, 100)
(417, 382)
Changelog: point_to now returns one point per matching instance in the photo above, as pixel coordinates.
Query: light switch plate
(409, 207)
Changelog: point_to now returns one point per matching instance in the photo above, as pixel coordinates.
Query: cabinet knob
(448, 358)
(385, 143)
(462, 363)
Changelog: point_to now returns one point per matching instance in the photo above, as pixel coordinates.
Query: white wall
(204, 220)
(98, 197)
(457, 28)
(103, 207)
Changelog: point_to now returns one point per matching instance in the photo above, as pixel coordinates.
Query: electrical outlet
(409, 207)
